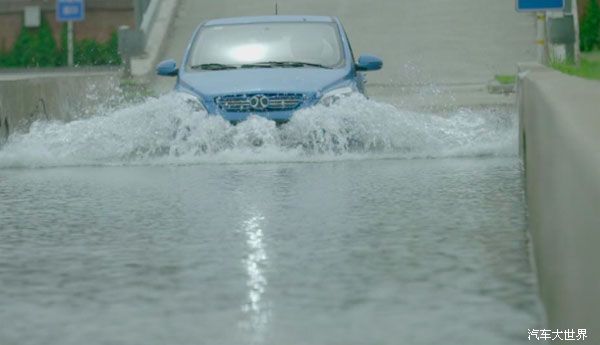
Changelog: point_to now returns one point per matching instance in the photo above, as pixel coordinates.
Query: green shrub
(90, 52)
(37, 48)
(3, 54)
(33, 48)
(3, 59)
(589, 31)
(61, 56)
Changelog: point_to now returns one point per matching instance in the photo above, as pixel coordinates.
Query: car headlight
(193, 101)
(333, 96)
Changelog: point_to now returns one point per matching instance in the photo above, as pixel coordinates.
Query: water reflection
(254, 263)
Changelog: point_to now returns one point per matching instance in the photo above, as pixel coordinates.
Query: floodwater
(355, 224)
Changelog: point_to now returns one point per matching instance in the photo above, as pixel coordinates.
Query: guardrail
(559, 126)
(149, 15)
(60, 95)
(155, 25)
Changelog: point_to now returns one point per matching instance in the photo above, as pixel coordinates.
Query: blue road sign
(70, 10)
(540, 5)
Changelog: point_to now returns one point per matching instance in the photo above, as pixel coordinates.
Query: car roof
(269, 19)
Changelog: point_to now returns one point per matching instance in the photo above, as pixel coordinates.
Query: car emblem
(259, 102)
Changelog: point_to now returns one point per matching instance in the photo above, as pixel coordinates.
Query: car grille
(271, 102)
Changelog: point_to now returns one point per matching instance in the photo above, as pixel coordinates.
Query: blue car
(270, 66)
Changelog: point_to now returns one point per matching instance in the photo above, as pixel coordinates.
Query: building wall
(103, 17)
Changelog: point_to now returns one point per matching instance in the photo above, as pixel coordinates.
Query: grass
(505, 79)
(589, 67)
(594, 56)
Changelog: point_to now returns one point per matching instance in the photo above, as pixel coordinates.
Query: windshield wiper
(269, 64)
(214, 66)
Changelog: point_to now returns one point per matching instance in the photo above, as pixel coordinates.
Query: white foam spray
(166, 130)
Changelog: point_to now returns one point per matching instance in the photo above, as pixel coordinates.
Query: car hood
(300, 80)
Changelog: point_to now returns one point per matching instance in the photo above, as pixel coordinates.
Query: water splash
(166, 130)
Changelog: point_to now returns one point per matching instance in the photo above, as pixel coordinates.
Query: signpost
(540, 6)
(70, 11)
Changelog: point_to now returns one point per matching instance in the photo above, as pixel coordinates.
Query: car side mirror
(167, 68)
(369, 63)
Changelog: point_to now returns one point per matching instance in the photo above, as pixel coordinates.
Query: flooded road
(356, 224)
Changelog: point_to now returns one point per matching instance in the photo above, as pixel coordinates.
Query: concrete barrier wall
(26, 98)
(560, 144)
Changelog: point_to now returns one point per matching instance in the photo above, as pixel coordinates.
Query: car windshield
(267, 45)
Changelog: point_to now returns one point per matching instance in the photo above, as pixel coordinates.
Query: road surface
(441, 52)
(363, 223)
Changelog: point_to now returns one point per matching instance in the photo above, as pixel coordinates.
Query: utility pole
(575, 12)
(572, 46)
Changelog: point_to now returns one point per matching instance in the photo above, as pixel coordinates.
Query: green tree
(34, 47)
(590, 27)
